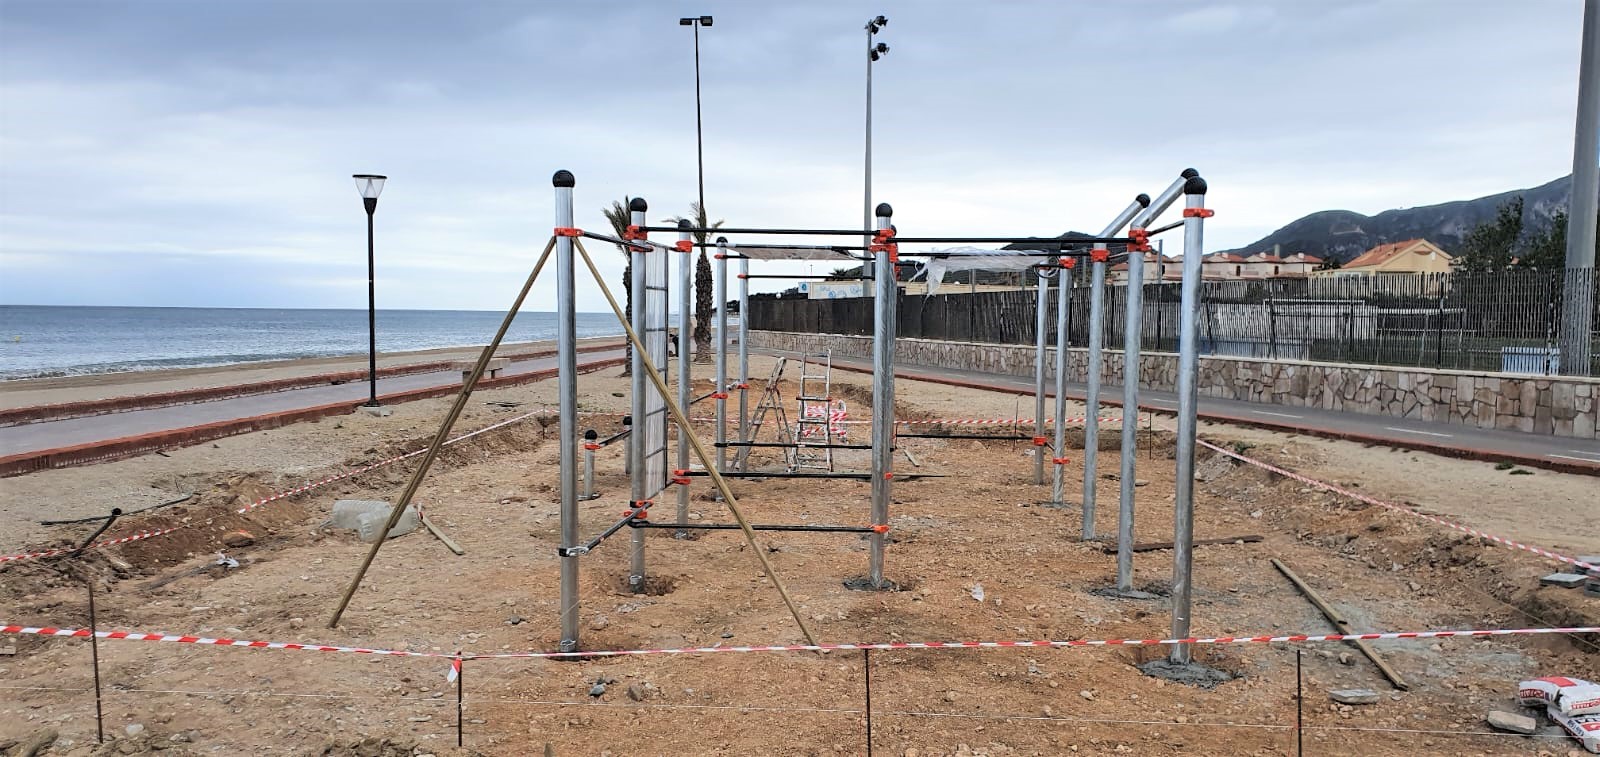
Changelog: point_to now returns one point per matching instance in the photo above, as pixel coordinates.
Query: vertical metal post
(722, 354)
(567, 389)
(1091, 413)
(1579, 281)
(372, 314)
(1041, 330)
(590, 444)
(1188, 402)
(1130, 418)
(686, 262)
(744, 350)
(883, 342)
(866, 192)
(1063, 300)
(640, 384)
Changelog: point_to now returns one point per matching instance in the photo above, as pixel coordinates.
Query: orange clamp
(683, 245)
(1060, 460)
(637, 514)
(681, 480)
(1039, 441)
(1099, 255)
(633, 232)
(743, 276)
(889, 475)
(591, 446)
(880, 528)
(881, 243)
(742, 386)
(719, 395)
(1198, 212)
(720, 256)
(1069, 263)
(568, 231)
(1141, 240)
(680, 471)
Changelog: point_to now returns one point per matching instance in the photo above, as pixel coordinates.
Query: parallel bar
(794, 445)
(786, 474)
(1188, 404)
(1052, 243)
(1005, 438)
(799, 232)
(612, 529)
(754, 527)
(567, 390)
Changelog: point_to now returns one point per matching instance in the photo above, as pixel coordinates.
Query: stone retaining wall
(1556, 405)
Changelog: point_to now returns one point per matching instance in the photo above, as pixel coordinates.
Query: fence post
(1272, 326)
(1438, 342)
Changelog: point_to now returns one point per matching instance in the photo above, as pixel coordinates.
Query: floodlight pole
(567, 390)
(1579, 284)
(873, 54)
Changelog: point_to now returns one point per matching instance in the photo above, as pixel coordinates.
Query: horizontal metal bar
(1012, 240)
(965, 436)
(816, 276)
(644, 243)
(793, 445)
(753, 527)
(799, 232)
(587, 546)
(850, 476)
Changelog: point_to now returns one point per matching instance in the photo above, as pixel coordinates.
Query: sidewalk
(1554, 452)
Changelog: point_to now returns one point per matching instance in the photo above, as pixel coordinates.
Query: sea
(44, 341)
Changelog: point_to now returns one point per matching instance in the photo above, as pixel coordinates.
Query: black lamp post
(699, 139)
(370, 186)
(875, 50)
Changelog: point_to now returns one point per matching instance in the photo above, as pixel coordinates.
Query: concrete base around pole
(1190, 673)
(377, 411)
(864, 583)
(1111, 592)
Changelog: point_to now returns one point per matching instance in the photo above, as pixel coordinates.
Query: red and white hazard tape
(272, 498)
(1542, 552)
(1291, 639)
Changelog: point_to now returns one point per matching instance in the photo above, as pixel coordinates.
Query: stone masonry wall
(1555, 405)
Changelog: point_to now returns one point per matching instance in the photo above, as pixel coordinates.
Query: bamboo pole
(687, 433)
(438, 439)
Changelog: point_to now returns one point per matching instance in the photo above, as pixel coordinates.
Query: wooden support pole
(1339, 622)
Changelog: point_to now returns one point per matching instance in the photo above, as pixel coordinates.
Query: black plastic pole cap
(627, 420)
(591, 434)
(1194, 186)
(1143, 200)
(684, 223)
(564, 178)
(638, 205)
(722, 240)
(1189, 173)
(884, 211)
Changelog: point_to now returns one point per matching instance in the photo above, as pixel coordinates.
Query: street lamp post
(875, 50)
(699, 138)
(370, 186)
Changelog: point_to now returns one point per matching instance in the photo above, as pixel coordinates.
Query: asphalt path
(43, 435)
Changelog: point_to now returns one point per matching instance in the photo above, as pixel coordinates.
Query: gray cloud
(194, 153)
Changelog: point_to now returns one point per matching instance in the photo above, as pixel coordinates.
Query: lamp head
(881, 21)
(882, 48)
(685, 22)
(370, 185)
(705, 20)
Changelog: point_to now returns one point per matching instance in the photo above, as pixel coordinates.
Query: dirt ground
(982, 524)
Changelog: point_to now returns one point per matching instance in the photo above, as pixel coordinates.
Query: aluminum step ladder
(771, 404)
(814, 426)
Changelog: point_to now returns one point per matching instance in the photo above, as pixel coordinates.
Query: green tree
(621, 219)
(844, 274)
(1492, 245)
(1330, 263)
(703, 302)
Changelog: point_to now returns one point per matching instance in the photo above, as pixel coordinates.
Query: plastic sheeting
(800, 252)
(977, 258)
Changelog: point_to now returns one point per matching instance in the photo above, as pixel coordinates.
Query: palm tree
(621, 219)
(703, 303)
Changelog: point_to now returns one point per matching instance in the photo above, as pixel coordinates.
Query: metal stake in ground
(94, 638)
(1058, 455)
(687, 431)
(637, 208)
(444, 431)
(567, 390)
(887, 291)
(1041, 326)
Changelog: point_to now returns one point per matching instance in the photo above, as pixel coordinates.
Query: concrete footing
(1193, 674)
(377, 411)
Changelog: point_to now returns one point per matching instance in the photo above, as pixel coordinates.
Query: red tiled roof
(1382, 253)
(1223, 257)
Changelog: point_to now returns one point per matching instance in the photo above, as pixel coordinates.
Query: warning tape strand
(1542, 552)
(892, 645)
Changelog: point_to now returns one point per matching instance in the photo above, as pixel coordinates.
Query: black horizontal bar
(614, 437)
(1011, 240)
(817, 276)
(818, 247)
(792, 445)
(621, 242)
(965, 436)
(753, 527)
(778, 474)
(586, 547)
(799, 232)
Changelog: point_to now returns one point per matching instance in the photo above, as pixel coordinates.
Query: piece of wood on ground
(1159, 545)
(1339, 622)
(442, 536)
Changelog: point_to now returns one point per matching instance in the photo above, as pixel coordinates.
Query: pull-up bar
(754, 527)
(1075, 241)
(799, 232)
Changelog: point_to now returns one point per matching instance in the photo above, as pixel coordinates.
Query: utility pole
(1578, 291)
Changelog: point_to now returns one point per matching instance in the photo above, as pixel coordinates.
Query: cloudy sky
(198, 153)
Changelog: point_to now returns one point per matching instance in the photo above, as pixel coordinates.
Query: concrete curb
(1470, 453)
(129, 446)
(61, 411)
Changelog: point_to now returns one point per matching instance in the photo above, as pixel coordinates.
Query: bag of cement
(1546, 690)
(1584, 728)
(1579, 700)
(366, 517)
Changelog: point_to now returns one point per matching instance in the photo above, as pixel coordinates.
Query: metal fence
(1481, 321)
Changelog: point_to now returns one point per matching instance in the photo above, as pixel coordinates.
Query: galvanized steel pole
(1188, 402)
(640, 384)
(722, 354)
(1041, 329)
(883, 342)
(1132, 332)
(567, 390)
(744, 348)
(685, 346)
(1063, 300)
(1091, 412)
(1578, 292)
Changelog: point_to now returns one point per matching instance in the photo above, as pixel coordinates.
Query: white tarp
(977, 258)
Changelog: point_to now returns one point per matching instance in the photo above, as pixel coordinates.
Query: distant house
(1300, 264)
(1156, 268)
(1223, 265)
(1412, 256)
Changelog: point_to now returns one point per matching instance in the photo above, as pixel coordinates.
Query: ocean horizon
(42, 341)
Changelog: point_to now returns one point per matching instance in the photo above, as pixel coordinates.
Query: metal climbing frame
(647, 446)
(815, 422)
(771, 404)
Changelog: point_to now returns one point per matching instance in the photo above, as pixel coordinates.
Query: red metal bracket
(1060, 460)
(1198, 212)
(1069, 263)
(1099, 255)
(633, 232)
(880, 528)
(1141, 240)
(719, 395)
(742, 386)
(1039, 441)
(591, 446)
(681, 480)
(680, 471)
(881, 243)
(568, 231)
(683, 245)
